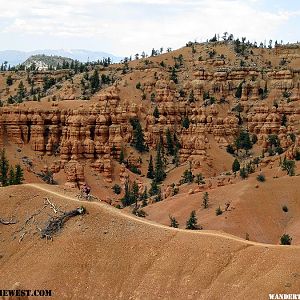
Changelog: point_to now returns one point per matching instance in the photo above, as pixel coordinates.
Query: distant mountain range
(14, 57)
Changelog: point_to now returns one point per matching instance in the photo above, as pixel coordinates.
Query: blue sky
(125, 27)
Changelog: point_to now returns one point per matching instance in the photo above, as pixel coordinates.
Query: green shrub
(173, 222)
(243, 173)
(191, 223)
(254, 139)
(219, 211)
(288, 166)
(205, 200)
(117, 189)
(285, 239)
(261, 178)
(139, 212)
(199, 179)
(134, 169)
(230, 149)
(187, 176)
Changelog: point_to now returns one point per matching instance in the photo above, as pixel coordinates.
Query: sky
(126, 27)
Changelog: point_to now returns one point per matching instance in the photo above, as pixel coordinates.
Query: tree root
(3, 222)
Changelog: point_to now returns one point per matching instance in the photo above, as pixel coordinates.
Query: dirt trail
(150, 223)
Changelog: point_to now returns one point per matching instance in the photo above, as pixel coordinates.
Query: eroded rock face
(104, 166)
(265, 121)
(75, 173)
(206, 96)
(100, 130)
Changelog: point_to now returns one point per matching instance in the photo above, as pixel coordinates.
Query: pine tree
(239, 90)
(243, 173)
(192, 221)
(158, 197)
(288, 166)
(235, 166)
(135, 193)
(273, 140)
(243, 141)
(191, 97)
(173, 75)
(156, 112)
(247, 144)
(152, 97)
(117, 189)
(188, 176)
(138, 135)
(48, 83)
(21, 91)
(150, 173)
(159, 174)
(154, 189)
(95, 81)
(4, 166)
(10, 100)
(283, 120)
(176, 141)
(11, 179)
(113, 151)
(219, 211)
(186, 122)
(199, 179)
(205, 200)
(126, 200)
(144, 197)
(122, 156)
(170, 143)
(9, 80)
(265, 90)
(176, 157)
(286, 239)
(19, 177)
(254, 139)
(32, 88)
(173, 222)
(162, 150)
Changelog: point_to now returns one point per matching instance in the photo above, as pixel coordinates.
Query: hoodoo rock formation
(215, 95)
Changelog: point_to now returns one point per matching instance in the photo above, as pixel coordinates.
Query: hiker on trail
(86, 190)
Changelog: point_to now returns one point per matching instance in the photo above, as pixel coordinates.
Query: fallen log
(55, 224)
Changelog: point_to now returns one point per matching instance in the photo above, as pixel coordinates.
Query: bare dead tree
(57, 223)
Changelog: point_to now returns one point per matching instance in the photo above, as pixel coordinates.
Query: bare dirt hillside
(109, 255)
(255, 208)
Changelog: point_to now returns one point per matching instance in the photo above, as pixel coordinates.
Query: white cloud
(130, 26)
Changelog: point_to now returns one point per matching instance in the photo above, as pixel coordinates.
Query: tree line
(9, 174)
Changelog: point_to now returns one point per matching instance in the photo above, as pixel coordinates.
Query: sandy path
(150, 223)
